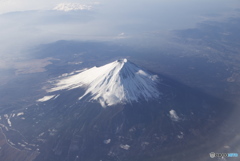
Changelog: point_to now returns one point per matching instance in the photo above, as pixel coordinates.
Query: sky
(28, 23)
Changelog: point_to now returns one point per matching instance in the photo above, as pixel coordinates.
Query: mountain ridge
(120, 81)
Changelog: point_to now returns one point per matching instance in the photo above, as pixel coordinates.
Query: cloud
(23, 29)
(26, 23)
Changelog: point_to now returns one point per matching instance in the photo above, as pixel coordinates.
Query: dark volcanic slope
(66, 129)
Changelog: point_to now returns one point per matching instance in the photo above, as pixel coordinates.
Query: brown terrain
(10, 153)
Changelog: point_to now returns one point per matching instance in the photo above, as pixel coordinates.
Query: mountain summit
(118, 82)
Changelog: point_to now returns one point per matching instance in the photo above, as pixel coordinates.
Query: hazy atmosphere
(25, 24)
(154, 80)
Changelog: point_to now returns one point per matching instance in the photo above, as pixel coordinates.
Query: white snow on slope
(173, 115)
(20, 113)
(118, 82)
(126, 147)
(71, 7)
(9, 122)
(45, 98)
(108, 141)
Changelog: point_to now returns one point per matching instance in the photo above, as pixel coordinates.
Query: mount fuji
(118, 82)
(146, 117)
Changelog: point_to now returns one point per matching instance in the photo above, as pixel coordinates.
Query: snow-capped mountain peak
(72, 7)
(118, 82)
